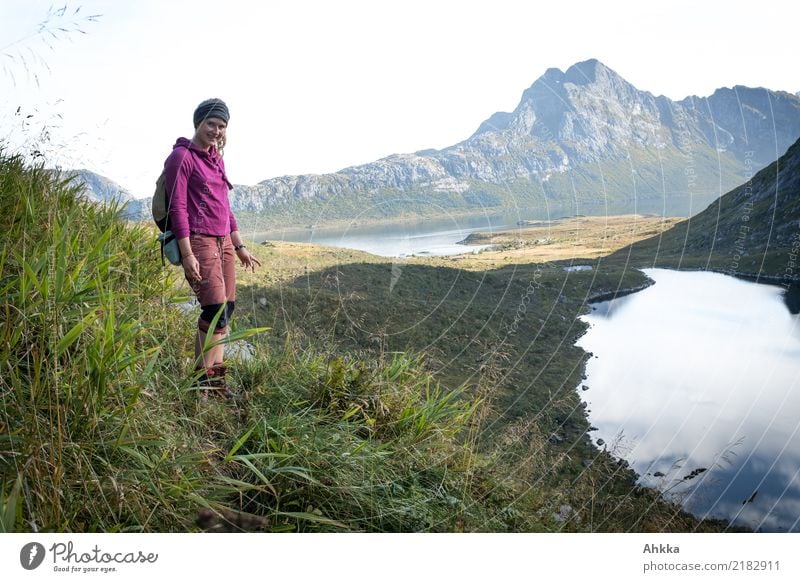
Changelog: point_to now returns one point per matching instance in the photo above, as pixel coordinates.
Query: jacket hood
(211, 157)
(183, 142)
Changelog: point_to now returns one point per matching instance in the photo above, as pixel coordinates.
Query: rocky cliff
(581, 136)
(585, 134)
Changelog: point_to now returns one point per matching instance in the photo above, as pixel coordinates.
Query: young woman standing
(201, 219)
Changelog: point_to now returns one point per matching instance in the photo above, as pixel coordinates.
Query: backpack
(160, 205)
(160, 209)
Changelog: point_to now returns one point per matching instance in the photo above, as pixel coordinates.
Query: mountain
(585, 135)
(98, 188)
(752, 230)
(103, 190)
(577, 138)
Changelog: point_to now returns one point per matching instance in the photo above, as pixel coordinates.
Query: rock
(600, 442)
(188, 306)
(584, 387)
(228, 520)
(241, 350)
(564, 513)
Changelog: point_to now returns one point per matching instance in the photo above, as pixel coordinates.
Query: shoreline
(520, 224)
(339, 224)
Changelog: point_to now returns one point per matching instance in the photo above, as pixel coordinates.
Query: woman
(202, 220)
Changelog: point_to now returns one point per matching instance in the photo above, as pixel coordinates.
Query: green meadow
(417, 396)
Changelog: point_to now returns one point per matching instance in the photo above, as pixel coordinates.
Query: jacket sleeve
(233, 225)
(178, 168)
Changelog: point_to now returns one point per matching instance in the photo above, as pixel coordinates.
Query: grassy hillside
(507, 336)
(752, 230)
(431, 403)
(101, 430)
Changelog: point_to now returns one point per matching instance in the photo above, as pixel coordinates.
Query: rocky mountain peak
(557, 94)
(588, 72)
(587, 111)
(583, 73)
(580, 134)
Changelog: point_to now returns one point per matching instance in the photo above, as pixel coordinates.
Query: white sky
(317, 86)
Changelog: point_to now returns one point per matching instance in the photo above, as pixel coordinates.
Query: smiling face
(210, 133)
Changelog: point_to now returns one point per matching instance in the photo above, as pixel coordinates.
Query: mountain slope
(584, 135)
(753, 229)
(97, 188)
(581, 137)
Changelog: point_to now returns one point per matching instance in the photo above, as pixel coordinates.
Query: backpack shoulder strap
(162, 179)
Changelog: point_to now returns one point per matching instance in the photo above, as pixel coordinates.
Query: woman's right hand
(191, 268)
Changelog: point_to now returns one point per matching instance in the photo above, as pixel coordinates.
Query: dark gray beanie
(211, 108)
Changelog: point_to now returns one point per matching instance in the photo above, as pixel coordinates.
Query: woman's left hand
(248, 260)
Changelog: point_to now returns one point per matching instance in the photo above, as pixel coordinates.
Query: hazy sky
(316, 86)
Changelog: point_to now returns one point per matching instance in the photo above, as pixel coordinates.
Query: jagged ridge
(584, 135)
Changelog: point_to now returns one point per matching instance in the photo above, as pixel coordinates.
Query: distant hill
(101, 189)
(753, 230)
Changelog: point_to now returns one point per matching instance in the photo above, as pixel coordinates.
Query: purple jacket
(198, 188)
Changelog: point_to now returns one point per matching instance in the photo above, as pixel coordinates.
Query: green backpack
(160, 209)
(160, 204)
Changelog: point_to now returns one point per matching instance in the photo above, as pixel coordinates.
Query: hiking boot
(213, 381)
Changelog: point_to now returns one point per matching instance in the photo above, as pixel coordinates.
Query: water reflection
(702, 371)
(793, 298)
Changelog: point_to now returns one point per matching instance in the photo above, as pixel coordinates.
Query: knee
(209, 312)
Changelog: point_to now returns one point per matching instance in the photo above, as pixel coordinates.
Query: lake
(695, 381)
(440, 236)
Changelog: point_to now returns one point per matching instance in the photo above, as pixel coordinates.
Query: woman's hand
(191, 267)
(248, 260)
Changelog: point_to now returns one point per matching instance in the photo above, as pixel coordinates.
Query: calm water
(702, 371)
(440, 236)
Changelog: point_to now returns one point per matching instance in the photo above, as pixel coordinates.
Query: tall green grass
(85, 315)
(351, 444)
(100, 429)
